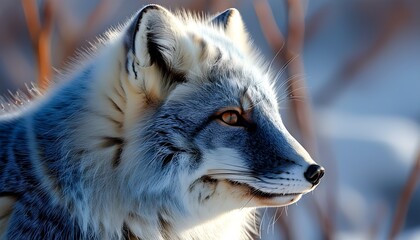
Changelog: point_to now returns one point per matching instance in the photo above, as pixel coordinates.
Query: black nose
(314, 173)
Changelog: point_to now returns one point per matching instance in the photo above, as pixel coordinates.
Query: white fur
(124, 91)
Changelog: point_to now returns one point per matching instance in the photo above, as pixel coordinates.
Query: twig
(44, 47)
(211, 6)
(300, 109)
(398, 15)
(221, 5)
(103, 9)
(331, 186)
(198, 5)
(285, 225)
(31, 13)
(40, 37)
(268, 25)
(325, 220)
(71, 36)
(405, 197)
(315, 22)
(290, 53)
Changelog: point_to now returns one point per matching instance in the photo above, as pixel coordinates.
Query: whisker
(277, 215)
(250, 199)
(255, 223)
(233, 165)
(275, 56)
(262, 219)
(248, 178)
(273, 219)
(232, 169)
(284, 67)
(287, 91)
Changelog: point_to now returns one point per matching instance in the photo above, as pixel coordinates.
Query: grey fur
(131, 145)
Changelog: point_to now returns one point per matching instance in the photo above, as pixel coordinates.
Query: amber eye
(230, 117)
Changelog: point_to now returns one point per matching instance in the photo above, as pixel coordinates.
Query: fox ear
(231, 22)
(155, 37)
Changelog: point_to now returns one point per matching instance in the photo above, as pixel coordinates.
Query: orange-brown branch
(31, 13)
(44, 47)
(40, 37)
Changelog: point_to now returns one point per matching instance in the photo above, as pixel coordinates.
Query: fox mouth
(261, 194)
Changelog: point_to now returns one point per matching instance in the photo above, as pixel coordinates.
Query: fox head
(206, 137)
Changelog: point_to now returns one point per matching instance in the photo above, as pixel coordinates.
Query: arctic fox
(169, 129)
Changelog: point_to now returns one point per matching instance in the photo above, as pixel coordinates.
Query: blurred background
(349, 84)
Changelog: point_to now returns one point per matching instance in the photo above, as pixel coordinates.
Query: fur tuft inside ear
(153, 36)
(231, 22)
(157, 46)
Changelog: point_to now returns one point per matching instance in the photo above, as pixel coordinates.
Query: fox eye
(230, 117)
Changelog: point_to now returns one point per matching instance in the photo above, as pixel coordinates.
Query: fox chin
(169, 128)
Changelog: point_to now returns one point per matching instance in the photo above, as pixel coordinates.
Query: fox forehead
(226, 86)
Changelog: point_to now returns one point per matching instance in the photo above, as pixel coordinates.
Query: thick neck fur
(156, 216)
(106, 197)
(135, 143)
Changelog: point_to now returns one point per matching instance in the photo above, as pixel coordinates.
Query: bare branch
(290, 53)
(31, 13)
(397, 17)
(71, 36)
(40, 37)
(44, 47)
(405, 197)
(268, 25)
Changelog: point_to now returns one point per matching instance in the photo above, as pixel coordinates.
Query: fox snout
(312, 172)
